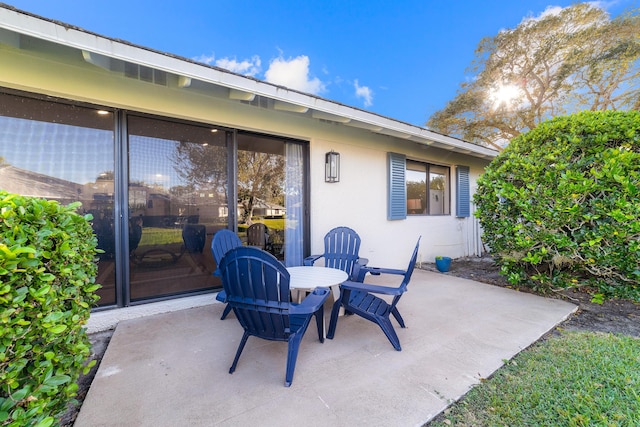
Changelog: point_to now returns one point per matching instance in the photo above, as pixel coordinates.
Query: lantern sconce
(332, 167)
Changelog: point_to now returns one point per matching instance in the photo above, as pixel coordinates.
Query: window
(427, 189)
(417, 188)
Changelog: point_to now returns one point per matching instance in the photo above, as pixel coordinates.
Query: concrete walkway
(172, 369)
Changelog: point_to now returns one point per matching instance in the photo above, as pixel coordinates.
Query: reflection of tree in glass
(417, 190)
(260, 175)
(202, 167)
(437, 182)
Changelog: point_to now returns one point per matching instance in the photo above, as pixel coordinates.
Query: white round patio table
(307, 278)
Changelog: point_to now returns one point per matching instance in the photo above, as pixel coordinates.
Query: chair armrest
(356, 274)
(379, 270)
(361, 271)
(357, 286)
(311, 259)
(311, 303)
(221, 296)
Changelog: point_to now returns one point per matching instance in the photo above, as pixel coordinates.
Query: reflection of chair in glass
(276, 243)
(341, 246)
(257, 288)
(358, 298)
(194, 237)
(223, 241)
(160, 256)
(106, 241)
(135, 234)
(103, 229)
(258, 235)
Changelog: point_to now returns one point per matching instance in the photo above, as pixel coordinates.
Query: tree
(559, 206)
(260, 175)
(202, 166)
(565, 62)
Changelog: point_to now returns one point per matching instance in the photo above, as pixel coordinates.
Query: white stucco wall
(359, 201)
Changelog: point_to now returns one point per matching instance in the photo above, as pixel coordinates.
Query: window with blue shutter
(397, 208)
(463, 196)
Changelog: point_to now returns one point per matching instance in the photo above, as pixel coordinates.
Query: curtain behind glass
(294, 204)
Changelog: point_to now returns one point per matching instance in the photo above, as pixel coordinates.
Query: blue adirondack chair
(359, 298)
(341, 246)
(257, 288)
(222, 242)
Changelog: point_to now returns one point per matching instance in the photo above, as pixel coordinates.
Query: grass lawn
(271, 223)
(571, 379)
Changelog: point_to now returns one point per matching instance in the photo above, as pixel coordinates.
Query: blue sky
(402, 59)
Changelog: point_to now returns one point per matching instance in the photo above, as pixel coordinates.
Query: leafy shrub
(560, 207)
(47, 285)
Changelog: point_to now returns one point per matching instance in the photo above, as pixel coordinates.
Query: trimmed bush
(560, 207)
(47, 288)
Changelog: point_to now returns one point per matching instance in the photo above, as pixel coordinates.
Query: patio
(172, 369)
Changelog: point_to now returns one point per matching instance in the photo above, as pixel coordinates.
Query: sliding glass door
(66, 153)
(177, 200)
(270, 195)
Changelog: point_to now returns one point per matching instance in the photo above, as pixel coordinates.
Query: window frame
(429, 193)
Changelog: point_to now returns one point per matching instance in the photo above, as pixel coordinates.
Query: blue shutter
(397, 187)
(462, 191)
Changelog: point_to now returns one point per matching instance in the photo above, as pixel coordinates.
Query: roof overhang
(103, 51)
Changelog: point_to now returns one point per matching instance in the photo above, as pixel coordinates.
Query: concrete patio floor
(172, 369)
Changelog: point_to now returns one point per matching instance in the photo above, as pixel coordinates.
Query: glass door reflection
(177, 201)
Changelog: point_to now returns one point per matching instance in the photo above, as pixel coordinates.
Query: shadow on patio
(172, 369)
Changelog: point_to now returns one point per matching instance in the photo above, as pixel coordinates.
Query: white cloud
(604, 4)
(248, 67)
(294, 73)
(205, 59)
(551, 11)
(365, 93)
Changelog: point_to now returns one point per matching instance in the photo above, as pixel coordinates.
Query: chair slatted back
(194, 237)
(341, 246)
(223, 241)
(408, 273)
(258, 235)
(257, 288)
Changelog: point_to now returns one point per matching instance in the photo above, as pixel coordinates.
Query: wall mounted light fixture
(332, 167)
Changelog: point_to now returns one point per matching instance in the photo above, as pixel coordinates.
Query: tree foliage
(560, 206)
(47, 287)
(202, 166)
(561, 63)
(259, 175)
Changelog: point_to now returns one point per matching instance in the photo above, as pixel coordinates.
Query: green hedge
(47, 287)
(560, 207)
